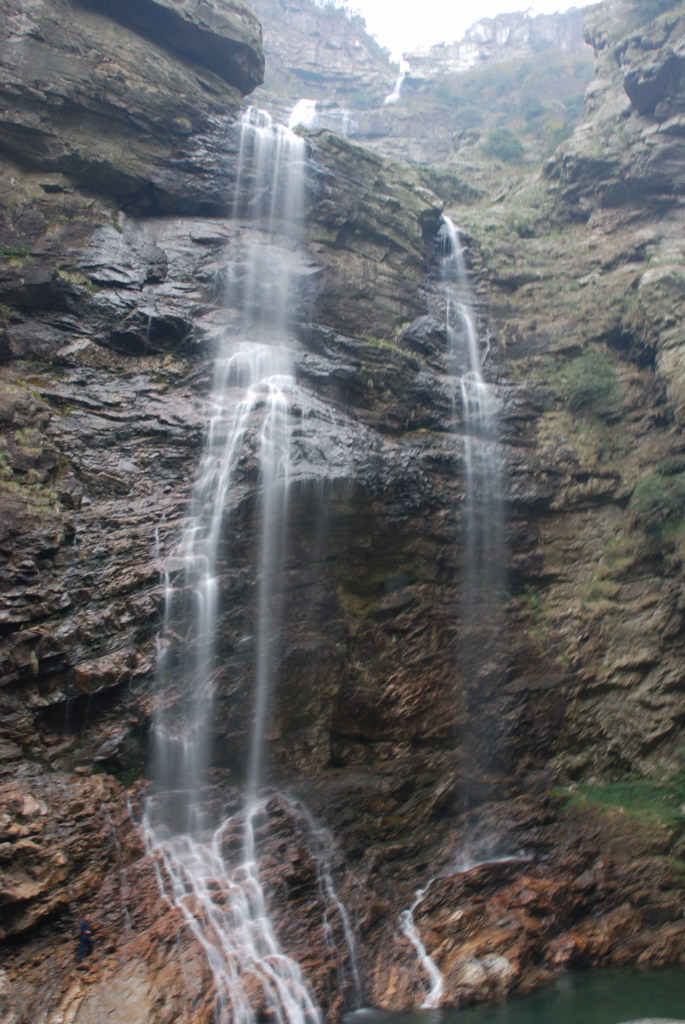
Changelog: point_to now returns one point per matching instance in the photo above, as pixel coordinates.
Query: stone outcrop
(223, 38)
(113, 291)
(628, 150)
(482, 923)
(107, 101)
(65, 840)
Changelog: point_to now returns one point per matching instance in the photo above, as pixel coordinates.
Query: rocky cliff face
(505, 37)
(104, 92)
(322, 53)
(113, 291)
(627, 283)
(627, 152)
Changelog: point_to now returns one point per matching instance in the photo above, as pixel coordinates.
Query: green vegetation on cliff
(658, 799)
(536, 102)
(591, 384)
(658, 502)
(502, 144)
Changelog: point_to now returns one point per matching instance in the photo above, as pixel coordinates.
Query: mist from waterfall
(212, 872)
(316, 115)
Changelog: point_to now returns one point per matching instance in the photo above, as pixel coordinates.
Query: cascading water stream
(212, 872)
(482, 515)
(483, 505)
(408, 926)
(482, 743)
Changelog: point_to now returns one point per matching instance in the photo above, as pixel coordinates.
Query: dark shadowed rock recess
(532, 787)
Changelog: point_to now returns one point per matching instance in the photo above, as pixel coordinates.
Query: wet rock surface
(428, 773)
(512, 914)
(559, 888)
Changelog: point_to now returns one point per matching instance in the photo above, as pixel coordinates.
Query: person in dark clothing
(85, 945)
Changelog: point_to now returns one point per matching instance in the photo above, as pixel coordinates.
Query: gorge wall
(119, 160)
(525, 73)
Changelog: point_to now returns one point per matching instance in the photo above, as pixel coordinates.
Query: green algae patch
(649, 800)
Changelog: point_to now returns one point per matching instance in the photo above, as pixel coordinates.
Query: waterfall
(303, 113)
(483, 561)
(211, 872)
(315, 115)
(432, 1000)
(396, 95)
(482, 556)
(483, 506)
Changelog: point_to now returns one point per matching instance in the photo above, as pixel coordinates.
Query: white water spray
(304, 113)
(222, 902)
(314, 116)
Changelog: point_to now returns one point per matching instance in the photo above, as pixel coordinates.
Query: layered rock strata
(318, 51)
(104, 93)
(110, 320)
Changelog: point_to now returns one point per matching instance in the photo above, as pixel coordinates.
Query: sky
(405, 24)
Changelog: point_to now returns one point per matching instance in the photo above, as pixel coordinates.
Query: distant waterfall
(396, 95)
(212, 873)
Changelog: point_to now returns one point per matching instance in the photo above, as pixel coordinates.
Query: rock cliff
(627, 261)
(505, 37)
(321, 52)
(104, 92)
(325, 71)
(117, 179)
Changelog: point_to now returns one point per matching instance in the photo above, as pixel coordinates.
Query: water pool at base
(575, 997)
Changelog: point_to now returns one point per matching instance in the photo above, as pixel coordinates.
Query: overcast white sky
(404, 24)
